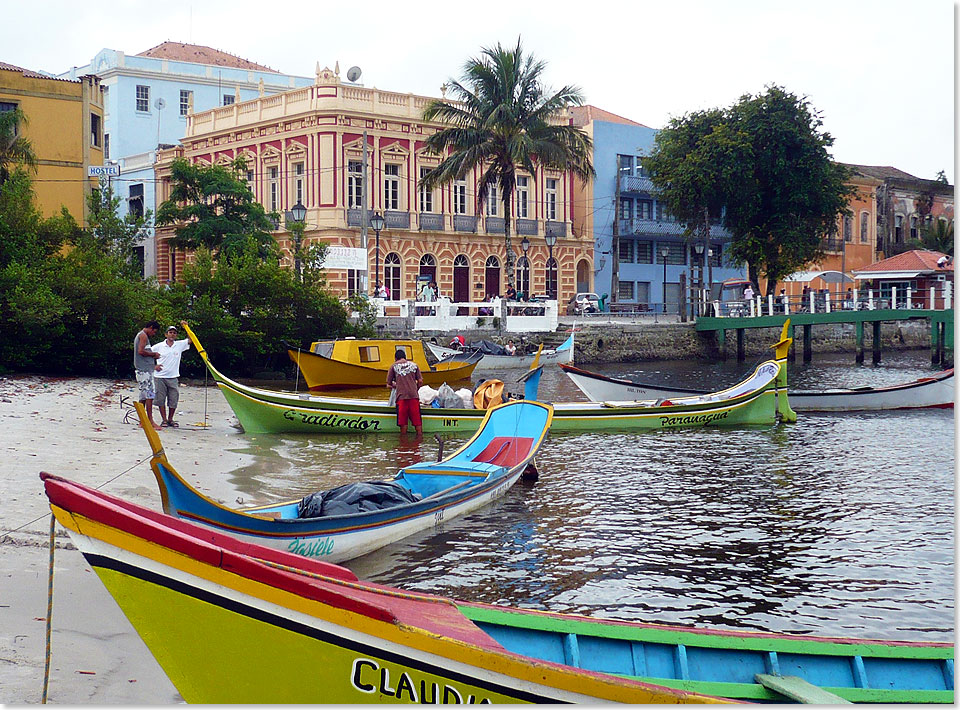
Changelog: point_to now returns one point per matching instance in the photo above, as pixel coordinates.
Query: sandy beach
(76, 428)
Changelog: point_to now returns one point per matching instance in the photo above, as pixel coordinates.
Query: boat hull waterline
(240, 623)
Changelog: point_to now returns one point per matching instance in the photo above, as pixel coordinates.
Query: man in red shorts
(404, 376)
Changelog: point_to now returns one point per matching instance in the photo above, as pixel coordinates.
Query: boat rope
(46, 660)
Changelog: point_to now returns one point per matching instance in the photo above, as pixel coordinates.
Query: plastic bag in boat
(466, 396)
(427, 394)
(353, 498)
(488, 348)
(448, 398)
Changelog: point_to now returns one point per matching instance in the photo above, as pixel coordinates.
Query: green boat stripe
(757, 641)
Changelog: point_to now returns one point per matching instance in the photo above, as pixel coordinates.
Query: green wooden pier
(941, 329)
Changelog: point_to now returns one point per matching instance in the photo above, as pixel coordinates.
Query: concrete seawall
(639, 342)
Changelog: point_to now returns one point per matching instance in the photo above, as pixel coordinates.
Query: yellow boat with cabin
(354, 362)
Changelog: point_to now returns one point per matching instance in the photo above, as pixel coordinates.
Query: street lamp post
(551, 240)
(698, 248)
(298, 215)
(664, 253)
(377, 222)
(525, 247)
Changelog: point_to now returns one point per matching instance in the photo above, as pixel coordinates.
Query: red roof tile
(181, 52)
(582, 115)
(28, 73)
(915, 260)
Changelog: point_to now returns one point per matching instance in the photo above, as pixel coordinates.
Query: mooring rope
(46, 661)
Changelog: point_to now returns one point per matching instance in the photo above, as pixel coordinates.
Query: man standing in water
(404, 377)
(144, 363)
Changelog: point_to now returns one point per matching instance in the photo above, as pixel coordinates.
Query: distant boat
(563, 353)
(934, 391)
(334, 364)
(234, 622)
(419, 497)
(760, 399)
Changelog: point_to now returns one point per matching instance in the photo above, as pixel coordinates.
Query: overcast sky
(881, 72)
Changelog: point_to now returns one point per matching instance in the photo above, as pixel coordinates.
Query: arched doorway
(461, 282)
(491, 277)
(428, 266)
(551, 278)
(583, 276)
(392, 276)
(523, 276)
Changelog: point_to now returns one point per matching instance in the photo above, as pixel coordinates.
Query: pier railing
(856, 300)
(451, 316)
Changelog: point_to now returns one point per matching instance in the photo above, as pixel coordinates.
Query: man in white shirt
(167, 375)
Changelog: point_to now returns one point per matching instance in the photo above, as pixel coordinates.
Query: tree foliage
(112, 234)
(500, 122)
(214, 208)
(15, 150)
(765, 159)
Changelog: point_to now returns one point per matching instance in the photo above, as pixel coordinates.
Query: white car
(583, 303)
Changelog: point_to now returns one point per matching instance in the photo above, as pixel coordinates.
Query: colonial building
(147, 97)
(905, 204)
(65, 128)
(640, 250)
(307, 146)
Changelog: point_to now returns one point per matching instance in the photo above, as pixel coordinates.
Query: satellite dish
(353, 73)
(160, 103)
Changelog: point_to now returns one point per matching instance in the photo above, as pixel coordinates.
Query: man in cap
(168, 374)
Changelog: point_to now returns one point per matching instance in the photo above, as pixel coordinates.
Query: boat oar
(798, 689)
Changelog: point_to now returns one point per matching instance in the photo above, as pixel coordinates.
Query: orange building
(307, 146)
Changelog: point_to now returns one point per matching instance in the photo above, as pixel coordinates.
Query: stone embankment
(639, 342)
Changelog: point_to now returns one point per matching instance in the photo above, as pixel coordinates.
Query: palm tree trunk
(507, 241)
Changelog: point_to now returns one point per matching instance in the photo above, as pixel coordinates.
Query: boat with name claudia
(760, 399)
(234, 622)
(356, 518)
(349, 362)
(936, 391)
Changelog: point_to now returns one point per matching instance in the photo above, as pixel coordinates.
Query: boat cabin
(376, 354)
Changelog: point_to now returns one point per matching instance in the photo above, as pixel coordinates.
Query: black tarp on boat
(354, 498)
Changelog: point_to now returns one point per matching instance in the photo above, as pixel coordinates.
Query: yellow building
(64, 124)
(307, 146)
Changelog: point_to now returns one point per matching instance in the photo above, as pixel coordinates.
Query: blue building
(146, 99)
(621, 208)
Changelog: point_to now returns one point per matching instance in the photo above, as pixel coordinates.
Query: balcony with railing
(431, 222)
(555, 229)
(493, 225)
(636, 183)
(665, 228)
(528, 227)
(464, 223)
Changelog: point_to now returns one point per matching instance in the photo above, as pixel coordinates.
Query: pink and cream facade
(306, 145)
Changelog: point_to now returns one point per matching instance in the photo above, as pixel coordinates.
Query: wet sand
(74, 427)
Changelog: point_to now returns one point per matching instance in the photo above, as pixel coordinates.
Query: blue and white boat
(418, 497)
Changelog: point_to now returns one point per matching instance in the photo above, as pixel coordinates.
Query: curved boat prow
(782, 349)
(159, 456)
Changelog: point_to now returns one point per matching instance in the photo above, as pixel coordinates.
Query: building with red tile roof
(917, 270)
(199, 54)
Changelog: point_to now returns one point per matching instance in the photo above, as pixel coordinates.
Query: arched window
(392, 275)
(428, 266)
(523, 276)
(864, 227)
(551, 278)
(492, 277)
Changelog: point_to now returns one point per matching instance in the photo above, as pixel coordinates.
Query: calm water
(838, 524)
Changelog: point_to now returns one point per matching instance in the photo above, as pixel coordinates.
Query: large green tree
(766, 160)
(113, 234)
(502, 120)
(214, 208)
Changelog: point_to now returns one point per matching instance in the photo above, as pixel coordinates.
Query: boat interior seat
(505, 450)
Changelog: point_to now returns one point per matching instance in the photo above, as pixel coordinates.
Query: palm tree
(938, 235)
(14, 148)
(500, 121)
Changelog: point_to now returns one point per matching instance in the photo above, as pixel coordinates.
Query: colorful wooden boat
(935, 391)
(563, 353)
(759, 400)
(233, 622)
(480, 471)
(335, 364)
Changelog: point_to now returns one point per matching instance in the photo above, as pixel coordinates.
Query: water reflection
(838, 525)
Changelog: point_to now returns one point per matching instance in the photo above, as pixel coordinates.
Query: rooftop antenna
(159, 103)
(353, 74)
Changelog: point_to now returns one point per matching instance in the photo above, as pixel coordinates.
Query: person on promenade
(404, 377)
(510, 348)
(167, 376)
(144, 364)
